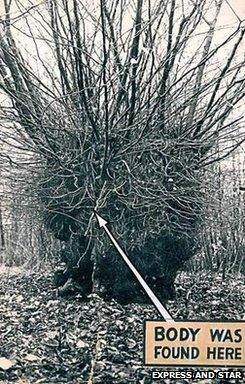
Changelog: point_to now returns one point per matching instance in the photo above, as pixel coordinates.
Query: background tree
(222, 243)
(24, 240)
(123, 104)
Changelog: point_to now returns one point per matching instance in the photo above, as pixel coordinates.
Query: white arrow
(164, 313)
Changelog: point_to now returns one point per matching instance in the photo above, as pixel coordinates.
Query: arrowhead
(102, 222)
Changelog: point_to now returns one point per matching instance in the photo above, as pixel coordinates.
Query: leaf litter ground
(48, 339)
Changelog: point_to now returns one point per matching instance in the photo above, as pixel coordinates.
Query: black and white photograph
(122, 190)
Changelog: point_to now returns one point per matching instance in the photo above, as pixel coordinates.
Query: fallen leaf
(131, 343)
(5, 364)
(51, 334)
(81, 344)
(30, 357)
(51, 343)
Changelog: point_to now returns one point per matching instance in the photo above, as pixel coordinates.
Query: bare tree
(123, 103)
(222, 232)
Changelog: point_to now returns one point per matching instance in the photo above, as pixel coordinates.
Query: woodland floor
(48, 339)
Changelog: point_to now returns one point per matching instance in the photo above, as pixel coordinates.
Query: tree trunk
(2, 237)
(158, 261)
